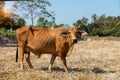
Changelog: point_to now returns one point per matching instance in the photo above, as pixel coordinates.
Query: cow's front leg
(51, 62)
(64, 63)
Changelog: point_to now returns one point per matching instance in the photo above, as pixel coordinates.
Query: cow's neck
(71, 45)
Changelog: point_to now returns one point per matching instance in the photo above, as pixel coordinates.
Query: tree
(34, 8)
(20, 22)
(44, 23)
(59, 25)
(1, 12)
(84, 21)
(67, 25)
(77, 23)
(2, 3)
(94, 17)
(7, 22)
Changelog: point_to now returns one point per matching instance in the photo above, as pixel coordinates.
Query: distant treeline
(101, 25)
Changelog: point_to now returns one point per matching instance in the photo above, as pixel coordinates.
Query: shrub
(7, 33)
(108, 32)
(96, 31)
(117, 33)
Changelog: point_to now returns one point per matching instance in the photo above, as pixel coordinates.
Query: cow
(56, 41)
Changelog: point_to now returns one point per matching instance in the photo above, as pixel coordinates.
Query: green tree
(94, 20)
(59, 25)
(44, 23)
(117, 29)
(84, 21)
(82, 24)
(34, 8)
(20, 22)
(77, 23)
(94, 17)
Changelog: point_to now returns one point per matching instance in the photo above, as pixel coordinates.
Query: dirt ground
(94, 59)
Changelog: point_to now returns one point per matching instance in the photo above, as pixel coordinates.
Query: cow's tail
(17, 53)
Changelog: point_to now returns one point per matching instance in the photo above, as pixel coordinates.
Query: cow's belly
(42, 50)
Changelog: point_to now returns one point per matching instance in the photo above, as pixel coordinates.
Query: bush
(117, 30)
(108, 32)
(7, 33)
(96, 31)
(2, 31)
(117, 33)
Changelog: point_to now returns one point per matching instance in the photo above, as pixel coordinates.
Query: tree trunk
(32, 21)
(32, 17)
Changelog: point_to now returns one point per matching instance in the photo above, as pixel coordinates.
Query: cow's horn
(79, 26)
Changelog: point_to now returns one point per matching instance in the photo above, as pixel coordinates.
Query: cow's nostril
(74, 40)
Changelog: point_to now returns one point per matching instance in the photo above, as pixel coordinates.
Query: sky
(69, 11)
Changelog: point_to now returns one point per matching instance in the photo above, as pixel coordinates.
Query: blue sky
(69, 11)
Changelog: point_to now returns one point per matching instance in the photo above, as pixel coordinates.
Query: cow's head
(74, 34)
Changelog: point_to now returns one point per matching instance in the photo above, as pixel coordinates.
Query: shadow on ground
(95, 70)
(98, 70)
(62, 69)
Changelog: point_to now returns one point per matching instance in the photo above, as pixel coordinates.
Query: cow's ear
(82, 32)
(64, 34)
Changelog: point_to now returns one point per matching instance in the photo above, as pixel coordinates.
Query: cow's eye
(78, 33)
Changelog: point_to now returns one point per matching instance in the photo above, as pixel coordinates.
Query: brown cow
(58, 42)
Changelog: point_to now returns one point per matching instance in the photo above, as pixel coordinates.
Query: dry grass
(95, 59)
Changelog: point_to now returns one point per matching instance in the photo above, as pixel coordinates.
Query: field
(94, 59)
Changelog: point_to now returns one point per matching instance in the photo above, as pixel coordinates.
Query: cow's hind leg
(27, 57)
(64, 63)
(51, 62)
(22, 56)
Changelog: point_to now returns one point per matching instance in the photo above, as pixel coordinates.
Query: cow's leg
(64, 63)
(39, 55)
(22, 56)
(27, 55)
(51, 62)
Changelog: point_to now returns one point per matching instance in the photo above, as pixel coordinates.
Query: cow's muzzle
(74, 41)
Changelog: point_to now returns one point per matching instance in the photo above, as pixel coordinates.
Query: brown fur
(57, 42)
